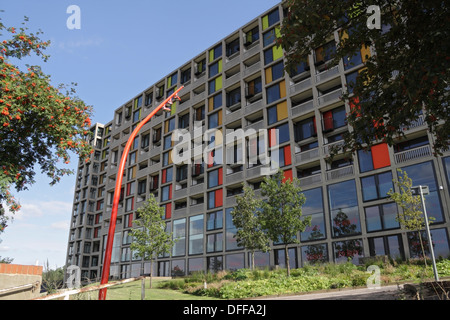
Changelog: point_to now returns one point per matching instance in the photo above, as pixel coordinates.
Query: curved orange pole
(123, 160)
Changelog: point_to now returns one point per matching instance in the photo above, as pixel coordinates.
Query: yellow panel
(170, 156)
(268, 75)
(277, 52)
(210, 104)
(166, 127)
(282, 112)
(220, 65)
(219, 136)
(283, 89)
(265, 22)
(218, 83)
(211, 55)
(219, 121)
(365, 53)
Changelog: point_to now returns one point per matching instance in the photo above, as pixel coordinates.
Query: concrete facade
(239, 83)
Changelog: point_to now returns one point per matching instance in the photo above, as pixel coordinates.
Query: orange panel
(287, 175)
(380, 156)
(219, 198)
(287, 156)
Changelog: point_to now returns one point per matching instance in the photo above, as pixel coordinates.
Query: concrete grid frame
(239, 84)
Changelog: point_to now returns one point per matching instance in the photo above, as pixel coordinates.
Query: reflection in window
(178, 268)
(196, 234)
(179, 233)
(381, 217)
(423, 174)
(234, 261)
(344, 208)
(391, 246)
(376, 186)
(345, 250)
(317, 253)
(440, 243)
(214, 264)
(314, 207)
(280, 258)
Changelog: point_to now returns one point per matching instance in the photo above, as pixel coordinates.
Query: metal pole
(119, 178)
(436, 276)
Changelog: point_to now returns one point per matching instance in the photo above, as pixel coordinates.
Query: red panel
(130, 220)
(328, 120)
(164, 176)
(170, 192)
(220, 176)
(380, 156)
(272, 137)
(219, 198)
(287, 155)
(287, 175)
(168, 210)
(210, 159)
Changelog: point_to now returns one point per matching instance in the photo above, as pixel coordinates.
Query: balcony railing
(303, 108)
(316, 178)
(327, 74)
(299, 87)
(326, 98)
(307, 155)
(340, 173)
(412, 154)
(414, 124)
(335, 145)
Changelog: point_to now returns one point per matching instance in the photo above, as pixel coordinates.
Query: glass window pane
(385, 184)
(365, 161)
(373, 219)
(369, 188)
(389, 216)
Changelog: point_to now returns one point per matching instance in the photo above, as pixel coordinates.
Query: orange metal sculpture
(165, 105)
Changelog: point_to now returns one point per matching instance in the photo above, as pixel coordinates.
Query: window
(167, 175)
(232, 47)
(142, 186)
(350, 249)
(253, 87)
(353, 61)
(215, 102)
(129, 204)
(271, 36)
(376, 186)
(179, 233)
(391, 246)
(411, 144)
(137, 115)
(215, 53)
(299, 69)
(274, 72)
(183, 121)
(172, 80)
(215, 178)
(325, 53)
(279, 135)
(314, 253)
(272, 54)
(130, 188)
(344, 211)
(214, 220)
(270, 19)
(215, 68)
(199, 114)
(214, 242)
(167, 158)
(215, 85)
(145, 141)
(375, 158)
(182, 172)
(280, 258)
(305, 129)
(233, 97)
(251, 36)
(200, 67)
(351, 81)
(215, 199)
(313, 207)
(381, 217)
(276, 92)
(169, 125)
(439, 240)
(214, 264)
(234, 261)
(185, 76)
(167, 142)
(424, 174)
(333, 119)
(281, 157)
(196, 234)
(148, 99)
(166, 193)
(215, 120)
(230, 231)
(277, 113)
(446, 162)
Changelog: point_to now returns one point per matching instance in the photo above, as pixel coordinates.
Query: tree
(282, 212)
(411, 216)
(247, 220)
(150, 238)
(405, 77)
(39, 124)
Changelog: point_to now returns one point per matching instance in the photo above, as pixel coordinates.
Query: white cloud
(43, 208)
(61, 225)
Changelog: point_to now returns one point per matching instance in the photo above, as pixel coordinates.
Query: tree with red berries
(406, 71)
(39, 124)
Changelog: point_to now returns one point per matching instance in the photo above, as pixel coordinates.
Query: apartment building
(296, 118)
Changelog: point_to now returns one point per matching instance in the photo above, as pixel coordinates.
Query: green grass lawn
(132, 291)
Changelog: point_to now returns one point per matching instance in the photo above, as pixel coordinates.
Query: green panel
(265, 22)
(277, 32)
(169, 82)
(211, 55)
(220, 65)
(277, 52)
(219, 83)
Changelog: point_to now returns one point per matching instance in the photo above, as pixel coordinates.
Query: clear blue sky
(122, 48)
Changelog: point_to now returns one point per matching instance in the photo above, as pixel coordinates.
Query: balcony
(306, 181)
(340, 173)
(414, 124)
(306, 156)
(330, 97)
(327, 74)
(303, 108)
(409, 155)
(301, 86)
